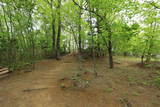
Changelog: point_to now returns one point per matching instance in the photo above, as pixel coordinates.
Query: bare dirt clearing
(123, 86)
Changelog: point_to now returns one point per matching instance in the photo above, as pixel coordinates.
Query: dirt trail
(40, 88)
(35, 89)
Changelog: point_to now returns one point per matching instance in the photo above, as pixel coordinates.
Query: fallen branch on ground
(36, 89)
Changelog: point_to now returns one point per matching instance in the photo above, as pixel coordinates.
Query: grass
(62, 85)
(132, 80)
(157, 81)
(128, 58)
(135, 94)
(109, 90)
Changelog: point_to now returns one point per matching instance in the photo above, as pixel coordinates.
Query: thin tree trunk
(79, 31)
(53, 30)
(110, 53)
(53, 37)
(59, 31)
(93, 51)
(69, 43)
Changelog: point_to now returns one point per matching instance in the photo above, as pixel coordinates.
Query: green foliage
(27, 28)
(135, 94)
(157, 81)
(109, 90)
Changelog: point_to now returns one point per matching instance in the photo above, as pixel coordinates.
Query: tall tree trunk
(69, 45)
(110, 53)
(59, 31)
(92, 34)
(98, 36)
(53, 29)
(79, 31)
(142, 57)
(31, 38)
(53, 37)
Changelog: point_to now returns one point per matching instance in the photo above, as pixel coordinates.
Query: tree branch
(154, 5)
(92, 11)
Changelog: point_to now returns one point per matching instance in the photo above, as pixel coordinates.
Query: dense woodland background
(34, 29)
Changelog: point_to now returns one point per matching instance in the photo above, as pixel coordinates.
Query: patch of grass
(109, 90)
(145, 83)
(132, 80)
(74, 78)
(157, 81)
(135, 94)
(155, 103)
(148, 65)
(125, 94)
(62, 86)
(157, 72)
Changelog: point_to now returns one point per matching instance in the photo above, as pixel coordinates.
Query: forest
(79, 53)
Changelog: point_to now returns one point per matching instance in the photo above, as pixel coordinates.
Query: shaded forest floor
(60, 84)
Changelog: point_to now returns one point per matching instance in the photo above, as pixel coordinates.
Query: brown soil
(123, 86)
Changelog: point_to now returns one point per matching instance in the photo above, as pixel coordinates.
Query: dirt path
(35, 89)
(40, 88)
